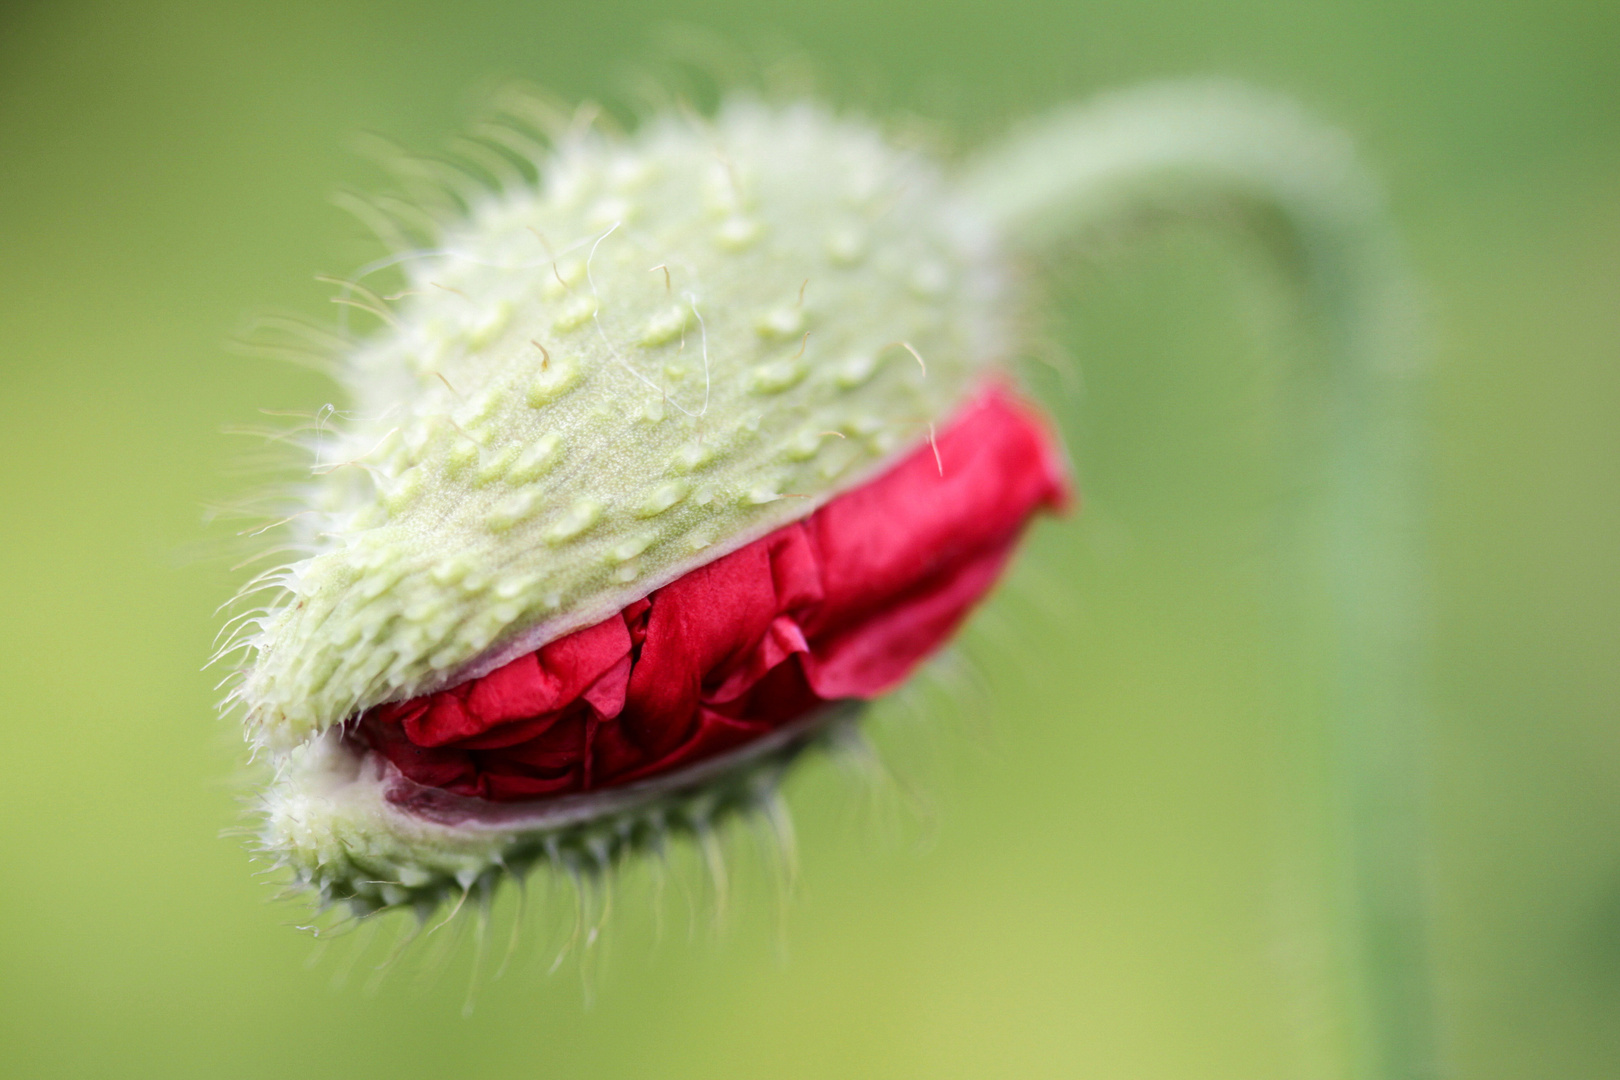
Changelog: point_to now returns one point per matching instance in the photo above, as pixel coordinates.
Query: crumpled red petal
(844, 604)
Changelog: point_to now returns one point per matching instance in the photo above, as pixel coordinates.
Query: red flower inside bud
(841, 605)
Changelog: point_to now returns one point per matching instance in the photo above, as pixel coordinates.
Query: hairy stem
(1180, 147)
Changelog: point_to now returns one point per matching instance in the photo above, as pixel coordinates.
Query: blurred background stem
(1189, 149)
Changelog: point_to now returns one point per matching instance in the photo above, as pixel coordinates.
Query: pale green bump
(422, 611)
(650, 411)
(558, 376)
(666, 325)
(376, 553)
(475, 634)
(804, 445)
(407, 488)
(575, 313)
(629, 549)
(496, 466)
(579, 518)
(759, 495)
(855, 371)
(885, 441)
(486, 406)
(487, 329)
(537, 459)
(694, 456)
(410, 876)
(778, 375)
(780, 322)
(452, 570)
(502, 614)
(462, 455)
(738, 234)
(512, 587)
(662, 497)
(846, 246)
(511, 510)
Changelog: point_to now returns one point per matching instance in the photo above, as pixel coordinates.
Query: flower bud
(653, 466)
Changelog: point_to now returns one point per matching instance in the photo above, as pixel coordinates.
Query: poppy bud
(655, 466)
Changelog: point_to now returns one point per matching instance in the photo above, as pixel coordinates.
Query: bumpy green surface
(679, 342)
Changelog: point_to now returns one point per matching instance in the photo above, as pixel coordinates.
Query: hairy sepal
(330, 819)
(674, 345)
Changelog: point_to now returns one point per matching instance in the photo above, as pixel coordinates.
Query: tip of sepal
(347, 830)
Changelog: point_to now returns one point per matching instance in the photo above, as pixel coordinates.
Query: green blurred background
(1107, 879)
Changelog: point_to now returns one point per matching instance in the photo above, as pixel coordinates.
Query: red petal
(844, 604)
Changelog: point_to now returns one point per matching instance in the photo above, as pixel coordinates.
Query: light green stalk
(1180, 147)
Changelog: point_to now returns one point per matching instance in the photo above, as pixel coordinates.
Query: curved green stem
(1185, 144)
